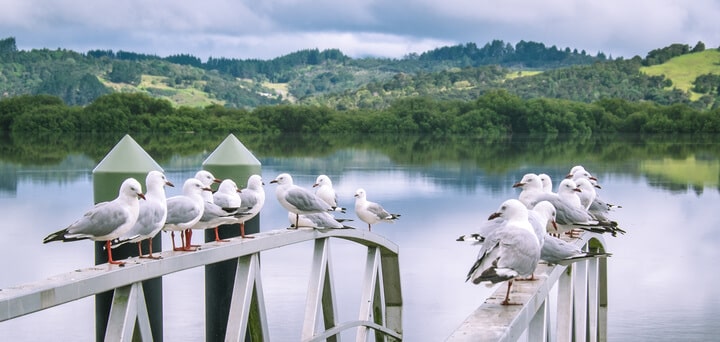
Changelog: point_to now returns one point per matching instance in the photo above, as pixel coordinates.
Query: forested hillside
(331, 79)
(78, 78)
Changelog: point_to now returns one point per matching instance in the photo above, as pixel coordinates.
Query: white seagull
(106, 220)
(509, 252)
(253, 200)
(557, 251)
(184, 211)
(326, 192)
(532, 188)
(296, 199)
(213, 215)
(546, 182)
(371, 212)
(153, 212)
(571, 214)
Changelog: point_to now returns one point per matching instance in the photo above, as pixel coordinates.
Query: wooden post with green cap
(127, 159)
(231, 159)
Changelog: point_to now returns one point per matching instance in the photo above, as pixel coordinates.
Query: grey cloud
(269, 28)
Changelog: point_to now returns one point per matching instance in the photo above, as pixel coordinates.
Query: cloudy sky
(266, 29)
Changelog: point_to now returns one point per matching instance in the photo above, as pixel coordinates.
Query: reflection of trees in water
(453, 159)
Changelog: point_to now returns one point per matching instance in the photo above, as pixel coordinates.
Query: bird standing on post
(106, 220)
(184, 211)
(153, 213)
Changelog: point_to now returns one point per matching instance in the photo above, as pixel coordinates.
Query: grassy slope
(191, 96)
(683, 70)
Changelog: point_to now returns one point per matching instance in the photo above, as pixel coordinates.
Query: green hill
(331, 79)
(683, 70)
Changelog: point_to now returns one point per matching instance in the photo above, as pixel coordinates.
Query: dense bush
(493, 113)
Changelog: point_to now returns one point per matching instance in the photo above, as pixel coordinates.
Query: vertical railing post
(231, 159)
(126, 159)
(564, 305)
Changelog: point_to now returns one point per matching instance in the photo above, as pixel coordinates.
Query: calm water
(663, 285)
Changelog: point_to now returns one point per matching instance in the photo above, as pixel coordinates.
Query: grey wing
(305, 201)
(324, 220)
(149, 219)
(599, 209)
(213, 211)
(487, 257)
(181, 210)
(378, 211)
(567, 214)
(538, 224)
(519, 251)
(489, 226)
(248, 198)
(225, 201)
(555, 250)
(102, 220)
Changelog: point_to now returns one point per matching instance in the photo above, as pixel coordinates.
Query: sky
(265, 29)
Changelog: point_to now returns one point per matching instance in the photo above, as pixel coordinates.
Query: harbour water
(662, 285)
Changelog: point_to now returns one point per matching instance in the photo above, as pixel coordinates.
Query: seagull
(557, 251)
(598, 208)
(106, 220)
(531, 186)
(296, 199)
(321, 220)
(227, 195)
(184, 211)
(371, 212)
(153, 212)
(253, 200)
(213, 215)
(508, 252)
(575, 169)
(570, 212)
(587, 192)
(326, 192)
(207, 179)
(546, 182)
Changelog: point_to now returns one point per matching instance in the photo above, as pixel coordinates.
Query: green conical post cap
(127, 157)
(231, 152)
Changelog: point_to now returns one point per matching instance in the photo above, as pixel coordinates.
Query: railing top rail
(62, 288)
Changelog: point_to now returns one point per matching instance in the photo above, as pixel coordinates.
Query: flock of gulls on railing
(513, 240)
(525, 230)
(135, 216)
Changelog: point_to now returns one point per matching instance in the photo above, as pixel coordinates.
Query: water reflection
(441, 186)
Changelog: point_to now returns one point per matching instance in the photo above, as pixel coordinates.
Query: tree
(699, 47)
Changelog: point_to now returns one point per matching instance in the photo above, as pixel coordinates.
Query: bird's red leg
(242, 232)
(507, 295)
(217, 235)
(188, 238)
(150, 255)
(139, 243)
(109, 252)
(182, 240)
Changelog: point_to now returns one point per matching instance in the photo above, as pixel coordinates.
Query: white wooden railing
(380, 308)
(565, 303)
